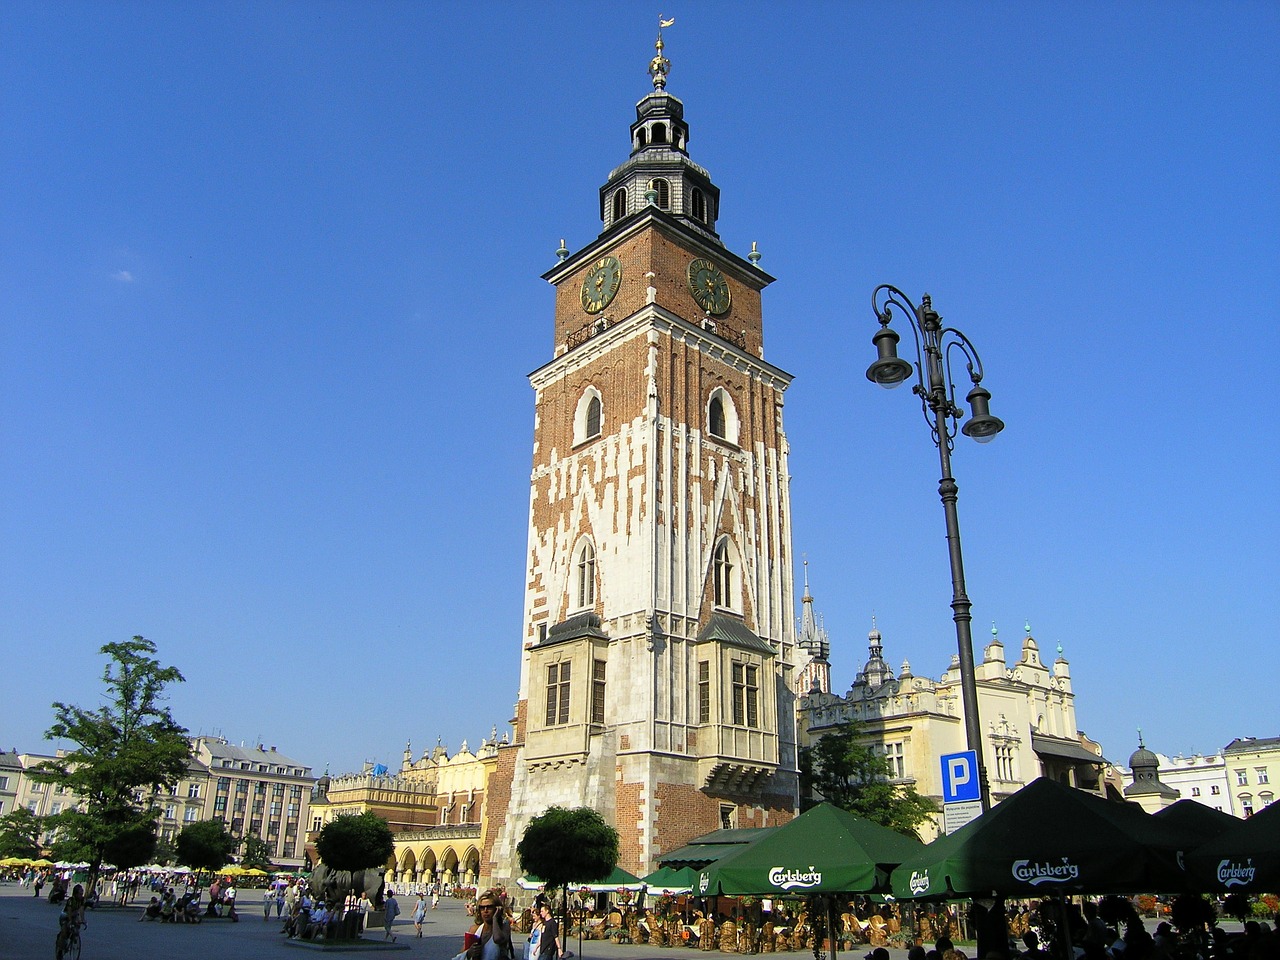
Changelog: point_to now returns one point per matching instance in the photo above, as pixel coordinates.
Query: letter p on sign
(960, 777)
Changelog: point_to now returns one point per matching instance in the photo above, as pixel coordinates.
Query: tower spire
(660, 66)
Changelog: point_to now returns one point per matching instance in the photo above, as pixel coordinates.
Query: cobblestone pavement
(28, 927)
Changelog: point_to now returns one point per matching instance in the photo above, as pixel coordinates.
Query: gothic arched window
(722, 416)
(722, 574)
(586, 570)
(716, 417)
(619, 205)
(588, 417)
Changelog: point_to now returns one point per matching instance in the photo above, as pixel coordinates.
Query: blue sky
(269, 292)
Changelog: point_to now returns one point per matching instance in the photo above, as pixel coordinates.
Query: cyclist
(70, 919)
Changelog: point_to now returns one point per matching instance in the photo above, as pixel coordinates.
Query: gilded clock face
(709, 287)
(601, 284)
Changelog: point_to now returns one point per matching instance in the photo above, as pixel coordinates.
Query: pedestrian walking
(419, 914)
(392, 910)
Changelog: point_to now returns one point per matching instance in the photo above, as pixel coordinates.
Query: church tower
(656, 677)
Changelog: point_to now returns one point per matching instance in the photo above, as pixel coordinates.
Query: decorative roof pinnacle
(660, 66)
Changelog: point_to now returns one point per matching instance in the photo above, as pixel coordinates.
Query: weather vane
(660, 66)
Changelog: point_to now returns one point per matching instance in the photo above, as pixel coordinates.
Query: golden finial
(660, 66)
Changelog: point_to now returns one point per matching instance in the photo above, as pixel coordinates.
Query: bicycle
(69, 948)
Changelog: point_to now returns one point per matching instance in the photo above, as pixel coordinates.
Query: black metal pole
(961, 607)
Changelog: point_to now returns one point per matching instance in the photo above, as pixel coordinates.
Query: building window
(1262, 774)
(716, 417)
(699, 205)
(1215, 790)
(224, 783)
(295, 792)
(1195, 791)
(722, 416)
(587, 575)
(219, 806)
(56, 809)
(722, 568)
(170, 811)
(746, 695)
(193, 791)
(620, 203)
(1246, 804)
(704, 691)
(1242, 778)
(293, 811)
(663, 190)
(728, 816)
(597, 691)
(588, 417)
(190, 814)
(895, 758)
(317, 823)
(659, 133)
(558, 693)
(1004, 761)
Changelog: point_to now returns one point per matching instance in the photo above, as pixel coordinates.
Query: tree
(355, 842)
(204, 845)
(126, 751)
(843, 769)
(20, 832)
(257, 853)
(166, 853)
(563, 846)
(132, 847)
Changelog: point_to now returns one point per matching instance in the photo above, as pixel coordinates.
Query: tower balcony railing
(598, 326)
(588, 330)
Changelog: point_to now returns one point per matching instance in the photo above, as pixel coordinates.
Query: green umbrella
(1198, 822)
(1244, 859)
(1048, 838)
(671, 880)
(824, 850)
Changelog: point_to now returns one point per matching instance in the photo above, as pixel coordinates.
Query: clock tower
(656, 681)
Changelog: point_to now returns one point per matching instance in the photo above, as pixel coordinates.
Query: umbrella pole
(831, 923)
(1066, 929)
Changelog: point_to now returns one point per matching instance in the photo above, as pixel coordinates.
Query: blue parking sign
(960, 777)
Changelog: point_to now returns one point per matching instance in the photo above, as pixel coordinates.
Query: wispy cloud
(123, 276)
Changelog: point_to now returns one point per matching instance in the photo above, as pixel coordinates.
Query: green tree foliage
(20, 834)
(132, 847)
(355, 842)
(257, 853)
(126, 750)
(205, 845)
(565, 846)
(166, 853)
(844, 770)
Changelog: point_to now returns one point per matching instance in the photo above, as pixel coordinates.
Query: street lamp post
(937, 394)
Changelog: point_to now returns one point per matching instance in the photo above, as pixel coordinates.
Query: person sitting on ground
(167, 907)
(316, 921)
(151, 911)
